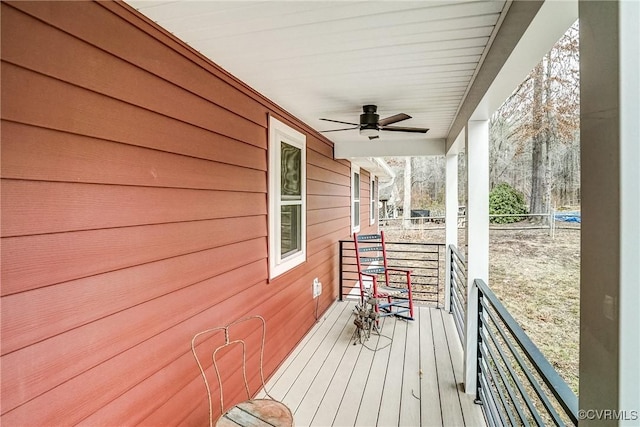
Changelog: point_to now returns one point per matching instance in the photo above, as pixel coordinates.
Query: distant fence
(423, 221)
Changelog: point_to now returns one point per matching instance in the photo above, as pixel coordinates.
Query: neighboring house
(135, 213)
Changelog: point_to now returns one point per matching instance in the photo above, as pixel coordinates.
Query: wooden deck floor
(410, 375)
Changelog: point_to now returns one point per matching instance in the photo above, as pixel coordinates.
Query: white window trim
(355, 228)
(373, 198)
(280, 132)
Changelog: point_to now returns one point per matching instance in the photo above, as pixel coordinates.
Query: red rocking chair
(393, 298)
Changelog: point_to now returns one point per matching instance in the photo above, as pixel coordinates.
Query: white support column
(629, 388)
(610, 236)
(477, 149)
(451, 220)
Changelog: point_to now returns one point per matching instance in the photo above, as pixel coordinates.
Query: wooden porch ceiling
(408, 376)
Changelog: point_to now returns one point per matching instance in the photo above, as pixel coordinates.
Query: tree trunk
(406, 204)
(539, 158)
(549, 133)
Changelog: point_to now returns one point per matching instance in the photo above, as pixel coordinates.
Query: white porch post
(477, 149)
(451, 216)
(610, 235)
(451, 220)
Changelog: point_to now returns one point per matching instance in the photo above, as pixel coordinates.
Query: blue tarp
(568, 216)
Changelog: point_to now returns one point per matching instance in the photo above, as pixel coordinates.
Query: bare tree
(406, 204)
(540, 121)
(540, 143)
(534, 142)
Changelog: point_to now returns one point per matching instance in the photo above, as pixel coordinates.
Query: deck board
(389, 414)
(328, 408)
(309, 374)
(409, 375)
(411, 378)
(472, 417)
(430, 407)
(352, 398)
(284, 378)
(373, 391)
(308, 406)
(449, 396)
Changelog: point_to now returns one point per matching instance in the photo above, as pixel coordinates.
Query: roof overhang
(376, 166)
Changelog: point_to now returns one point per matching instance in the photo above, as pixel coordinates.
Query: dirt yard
(537, 278)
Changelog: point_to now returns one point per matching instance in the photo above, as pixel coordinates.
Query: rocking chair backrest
(371, 256)
(227, 343)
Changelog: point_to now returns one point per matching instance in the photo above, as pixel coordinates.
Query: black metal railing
(425, 260)
(516, 384)
(458, 288)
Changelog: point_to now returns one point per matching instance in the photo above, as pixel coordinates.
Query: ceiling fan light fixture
(369, 131)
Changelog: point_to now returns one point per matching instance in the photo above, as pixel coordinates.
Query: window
(373, 195)
(287, 198)
(355, 199)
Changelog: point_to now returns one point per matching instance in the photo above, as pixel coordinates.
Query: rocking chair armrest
(408, 273)
(373, 276)
(399, 270)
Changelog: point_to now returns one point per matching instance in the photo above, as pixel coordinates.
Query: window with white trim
(287, 197)
(373, 194)
(355, 199)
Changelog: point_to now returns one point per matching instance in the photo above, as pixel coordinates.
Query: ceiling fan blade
(405, 129)
(336, 130)
(338, 121)
(394, 119)
(374, 137)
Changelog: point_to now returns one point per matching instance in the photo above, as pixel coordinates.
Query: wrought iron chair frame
(229, 343)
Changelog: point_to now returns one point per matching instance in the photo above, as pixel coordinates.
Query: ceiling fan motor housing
(369, 118)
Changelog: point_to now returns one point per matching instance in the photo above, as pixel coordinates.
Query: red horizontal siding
(317, 216)
(329, 176)
(43, 101)
(327, 163)
(134, 214)
(61, 207)
(327, 201)
(59, 257)
(110, 33)
(30, 317)
(37, 154)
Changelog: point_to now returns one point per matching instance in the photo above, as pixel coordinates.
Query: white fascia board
(458, 144)
(394, 148)
(552, 20)
(528, 32)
